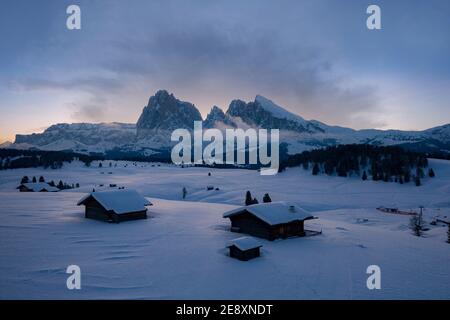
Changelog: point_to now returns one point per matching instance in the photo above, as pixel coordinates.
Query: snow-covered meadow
(180, 251)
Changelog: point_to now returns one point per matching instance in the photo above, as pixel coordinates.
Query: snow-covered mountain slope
(165, 113)
(6, 144)
(81, 137)
(263, 113)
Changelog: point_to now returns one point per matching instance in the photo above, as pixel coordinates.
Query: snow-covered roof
(39, 186)
(273, 213)
(119, 201)
(244, 243)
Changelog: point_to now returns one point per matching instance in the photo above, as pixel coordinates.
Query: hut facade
(115, 206)
(271, 220)
(244, 248)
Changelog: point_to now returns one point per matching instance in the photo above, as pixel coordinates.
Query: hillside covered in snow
(179, 251)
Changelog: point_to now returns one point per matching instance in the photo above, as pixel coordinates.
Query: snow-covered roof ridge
(273, 213)
(119, 201)
(39, 186)
(244, 243)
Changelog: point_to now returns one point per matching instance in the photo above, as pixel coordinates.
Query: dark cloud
(92, 84)
(308, 56)
(91, 110)
(196, 51)
(237, 61)
(89, 113)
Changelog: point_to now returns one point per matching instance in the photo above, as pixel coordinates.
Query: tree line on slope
(379, 163)
(60, 185)
(14, 159)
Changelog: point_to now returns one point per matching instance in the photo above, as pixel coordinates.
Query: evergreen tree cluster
(448, 233)
(14, 159)
(389, 164)
(61, 185)
(249, 200)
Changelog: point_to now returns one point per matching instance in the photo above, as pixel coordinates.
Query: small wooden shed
(244, 248)
(115, 206)
(271, 220)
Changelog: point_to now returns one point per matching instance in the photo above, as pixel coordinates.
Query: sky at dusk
(316, 58)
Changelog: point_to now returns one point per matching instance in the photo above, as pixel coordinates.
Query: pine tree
(419, 172)
(255, 201)
(77, 185)
(60, 185)
(364, 176)
(315, 170)
(184, 192)
(416, 225)
(267, 198)
(100, 165)
(34, 180)
(25, 179)
(305, 165)
(448, 233)
(417, 181)
(248, 198)
(41, 179)
(431, 173)
(51, 183)
(375, 176)
(407, 176)
(342, 170)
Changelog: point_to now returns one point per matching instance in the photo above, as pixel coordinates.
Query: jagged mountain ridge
(165, 113)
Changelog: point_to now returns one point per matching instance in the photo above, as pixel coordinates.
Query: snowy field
(179, 253)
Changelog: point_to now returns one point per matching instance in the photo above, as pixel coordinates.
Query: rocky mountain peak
(165, 112)
(217, 118)
(264, 113)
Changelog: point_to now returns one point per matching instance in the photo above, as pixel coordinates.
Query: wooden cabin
(37, 187)
(271, 220)
(244, 248)
(115, 206)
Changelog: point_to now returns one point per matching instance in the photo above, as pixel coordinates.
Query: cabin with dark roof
(271, 220)
(244, 248)
(115, 206)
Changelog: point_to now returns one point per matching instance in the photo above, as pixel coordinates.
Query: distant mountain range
(164, 113)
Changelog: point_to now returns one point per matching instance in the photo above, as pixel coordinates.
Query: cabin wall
(244, 255)
(130, 216)
(248, 223)
(292, 229)
(95, 211)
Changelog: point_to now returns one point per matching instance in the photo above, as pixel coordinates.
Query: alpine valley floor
(179, 252)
